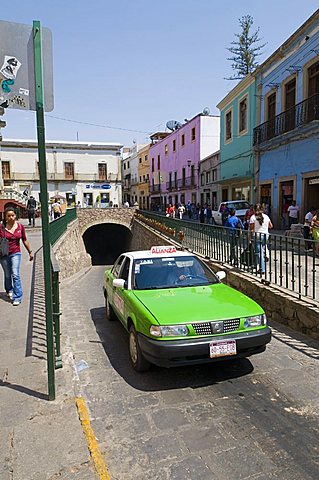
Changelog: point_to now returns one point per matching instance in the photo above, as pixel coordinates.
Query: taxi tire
(139, 363)
(110, 314)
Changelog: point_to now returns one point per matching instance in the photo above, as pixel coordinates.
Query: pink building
(175, 157)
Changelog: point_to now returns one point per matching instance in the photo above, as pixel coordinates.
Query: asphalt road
(252, 418)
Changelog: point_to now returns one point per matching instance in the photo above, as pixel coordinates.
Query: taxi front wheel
(140, 364)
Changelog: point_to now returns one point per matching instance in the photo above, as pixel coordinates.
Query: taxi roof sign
(163, 249)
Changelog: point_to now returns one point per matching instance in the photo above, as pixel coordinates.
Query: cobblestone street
(248, 419)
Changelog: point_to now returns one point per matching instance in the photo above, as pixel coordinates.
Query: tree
(245, 49)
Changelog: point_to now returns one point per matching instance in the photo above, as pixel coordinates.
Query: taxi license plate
(222, 348)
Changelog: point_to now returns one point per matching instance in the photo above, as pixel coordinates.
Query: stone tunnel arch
(106, 241)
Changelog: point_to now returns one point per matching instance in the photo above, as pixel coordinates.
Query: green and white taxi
(178, 312)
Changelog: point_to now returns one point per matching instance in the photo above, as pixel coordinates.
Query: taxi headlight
(255, 321)
(169, 331)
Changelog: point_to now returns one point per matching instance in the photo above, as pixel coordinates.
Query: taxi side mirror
(221, 275)
(119, 283)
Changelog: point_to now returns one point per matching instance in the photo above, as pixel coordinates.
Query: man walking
(233, 225)
(31, 207)
(306, 228)
(293, 212)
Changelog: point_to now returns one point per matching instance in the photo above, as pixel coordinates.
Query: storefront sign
(105, 186)
(313, 181)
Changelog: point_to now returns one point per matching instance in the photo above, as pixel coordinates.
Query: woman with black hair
(260, 224)
(13, 232)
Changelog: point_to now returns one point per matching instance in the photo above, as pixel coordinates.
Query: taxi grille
(206, 329)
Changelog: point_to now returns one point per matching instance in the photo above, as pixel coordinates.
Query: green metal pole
(37, 48)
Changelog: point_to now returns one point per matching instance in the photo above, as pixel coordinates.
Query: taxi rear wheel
(109, 311)
(139, 363)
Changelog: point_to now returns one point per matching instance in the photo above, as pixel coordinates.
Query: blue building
(286, 140)
(237, 121)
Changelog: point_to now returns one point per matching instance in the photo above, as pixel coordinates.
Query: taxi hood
(197, 304)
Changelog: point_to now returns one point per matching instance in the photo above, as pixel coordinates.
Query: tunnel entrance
(106, 241)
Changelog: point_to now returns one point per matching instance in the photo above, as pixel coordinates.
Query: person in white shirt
(306, 228)
(181, 210)
(260, 224)
(293, 213)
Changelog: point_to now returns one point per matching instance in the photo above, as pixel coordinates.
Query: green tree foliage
(245, 49)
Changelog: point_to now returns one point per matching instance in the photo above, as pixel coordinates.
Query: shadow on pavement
(27, 391)
(296, 340)
(114, 339)
(36, 332)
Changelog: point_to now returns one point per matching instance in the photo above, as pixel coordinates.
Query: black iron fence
(300, 114)
(275, 259)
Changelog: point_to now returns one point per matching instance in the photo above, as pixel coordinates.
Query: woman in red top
(13, 232)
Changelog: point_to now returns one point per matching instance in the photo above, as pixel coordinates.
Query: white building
(89, 173)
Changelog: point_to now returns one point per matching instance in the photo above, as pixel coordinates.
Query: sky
(132, 65)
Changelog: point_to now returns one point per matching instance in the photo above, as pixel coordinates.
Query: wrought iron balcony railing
(300, 114)
(181, 184)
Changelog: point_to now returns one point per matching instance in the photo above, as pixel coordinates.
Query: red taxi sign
(163, 249)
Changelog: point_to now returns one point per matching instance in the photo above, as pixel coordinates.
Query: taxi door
(120, 299)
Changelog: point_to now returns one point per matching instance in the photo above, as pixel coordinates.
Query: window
(243, 115)
(208, 177)
(313, 79)
(166, 149)
(214, 175)
(290, 94)
(124, 166)
(202, 179)
(174, 145)
(140, 179)
(183, 176)
(147, 176)
(175, 180)
(117, 267)
(145, 158)
(102, 171)
(140, 160)
(152, 164)
(5, 170)
(228, 125)
(193, 134)
(271, 106)
(69, 170)
(158, 162)
(128, 164)
(183, 140)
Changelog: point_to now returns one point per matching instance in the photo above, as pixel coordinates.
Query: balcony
(155, 188)
(181, 184)
(297, 116)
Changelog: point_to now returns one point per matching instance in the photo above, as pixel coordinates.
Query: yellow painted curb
(93, 446)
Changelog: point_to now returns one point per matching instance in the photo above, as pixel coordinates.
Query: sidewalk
(40, 440)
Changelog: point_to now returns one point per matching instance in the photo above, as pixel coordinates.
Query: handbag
(4, 245)
(249, 257)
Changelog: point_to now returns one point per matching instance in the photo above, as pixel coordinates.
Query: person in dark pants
(31, 207)
(306, 228)
(234, 225)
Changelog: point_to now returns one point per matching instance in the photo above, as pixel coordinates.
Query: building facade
(286, 139)
(209, 176)
(89, 173)
(237, 161)
(143, 178)
(175, 158)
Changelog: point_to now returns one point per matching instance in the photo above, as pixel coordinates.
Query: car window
(117, 266)
(125, 269)
(172, 272)
(238, 205)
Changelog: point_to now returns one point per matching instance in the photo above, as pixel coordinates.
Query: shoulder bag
(4, 244)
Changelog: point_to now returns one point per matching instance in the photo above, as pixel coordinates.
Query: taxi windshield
(171, 272)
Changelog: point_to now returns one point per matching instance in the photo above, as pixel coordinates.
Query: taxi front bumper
(191, 351)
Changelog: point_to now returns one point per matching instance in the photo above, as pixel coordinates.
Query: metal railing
(300, 114)
(55, 270)
(58, 227)
(181, 183)
(274, 259)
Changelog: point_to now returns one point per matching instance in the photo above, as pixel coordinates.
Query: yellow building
(143, 168)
